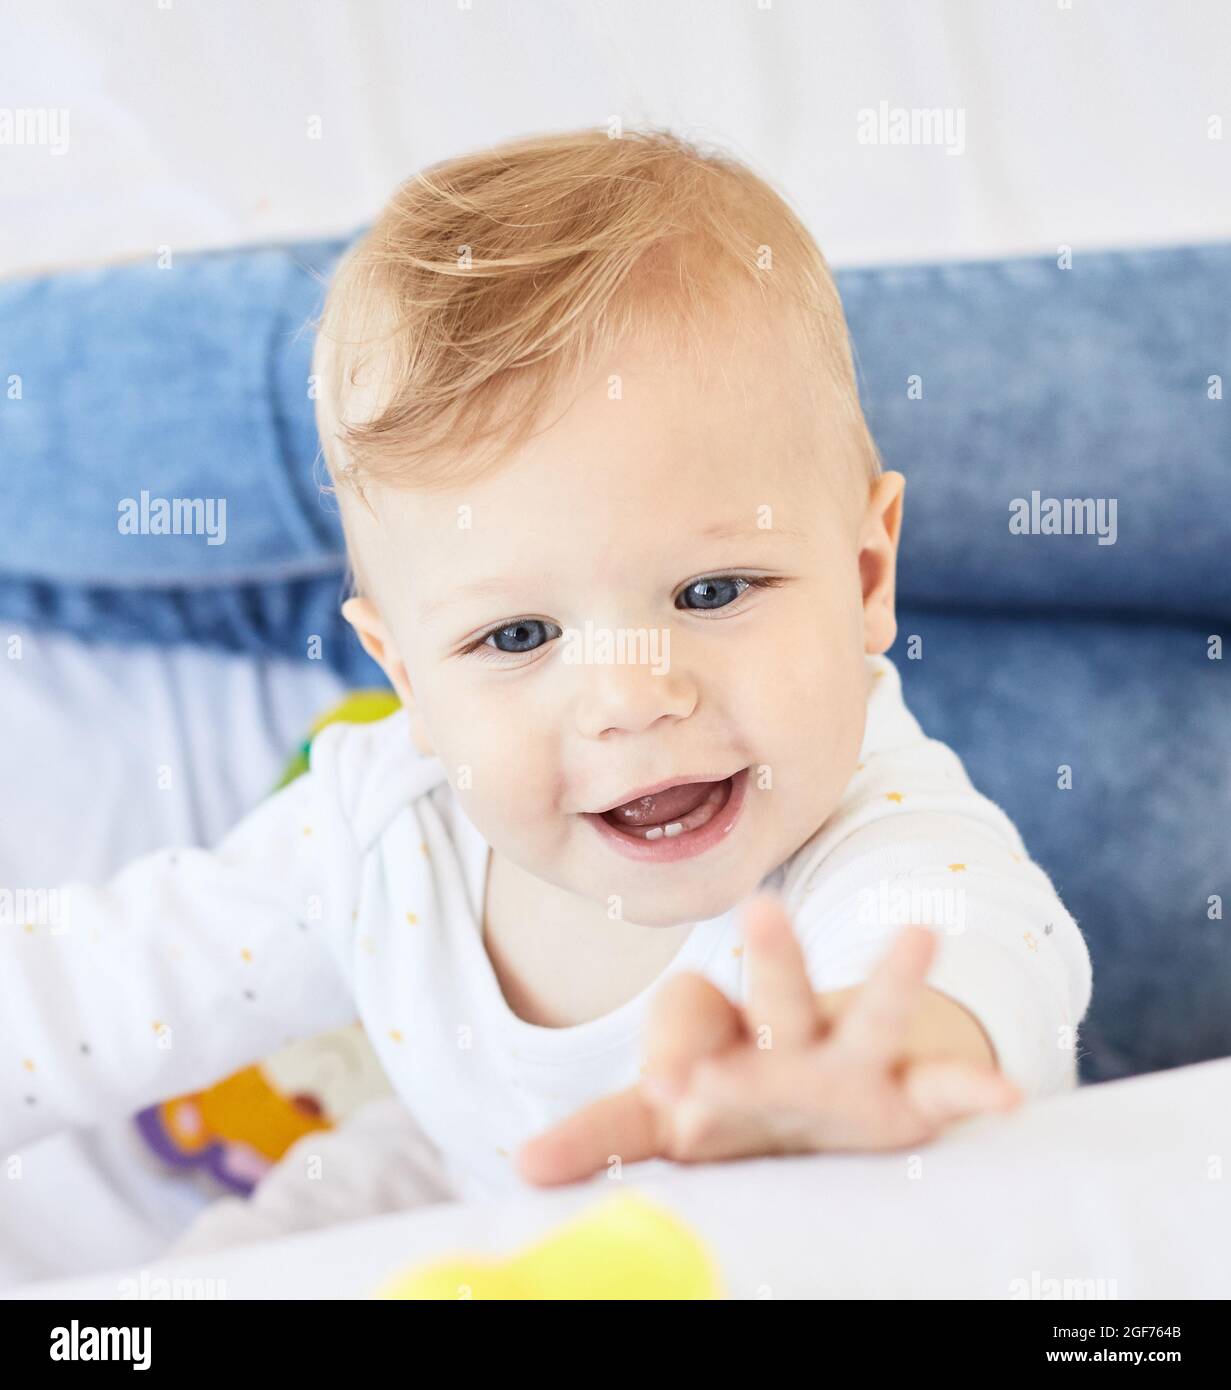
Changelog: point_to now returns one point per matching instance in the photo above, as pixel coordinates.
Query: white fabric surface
(89, 733)
(1119, 1185)
(358, 889)
(1084, 126)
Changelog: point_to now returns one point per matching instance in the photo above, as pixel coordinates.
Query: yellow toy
(625, 1248)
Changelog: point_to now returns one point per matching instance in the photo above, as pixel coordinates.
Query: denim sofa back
(1075, 677)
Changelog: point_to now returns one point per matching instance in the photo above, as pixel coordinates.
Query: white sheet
(1085, 125)
(107, 752)
(1118, 1185)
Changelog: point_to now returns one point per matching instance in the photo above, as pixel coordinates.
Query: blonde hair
(489, 281)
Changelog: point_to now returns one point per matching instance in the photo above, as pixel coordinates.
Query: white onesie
(356, 890)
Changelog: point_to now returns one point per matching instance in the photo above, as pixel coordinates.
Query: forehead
(652, 430)
(658, 452)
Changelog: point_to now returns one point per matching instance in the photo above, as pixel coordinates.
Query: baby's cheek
(499, 756)
(809, 723)
(514, 780)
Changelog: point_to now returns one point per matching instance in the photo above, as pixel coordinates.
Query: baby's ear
(363, 616)
(878, 556)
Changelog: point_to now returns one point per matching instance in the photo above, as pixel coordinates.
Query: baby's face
(592, 621)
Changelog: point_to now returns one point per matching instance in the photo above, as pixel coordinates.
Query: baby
(653, 863)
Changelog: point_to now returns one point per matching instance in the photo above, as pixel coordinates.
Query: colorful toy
(627, 1247)
(235, 1131)
(359, 707)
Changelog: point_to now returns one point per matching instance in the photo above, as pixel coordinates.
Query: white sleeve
(1010, 951)
(188, 965)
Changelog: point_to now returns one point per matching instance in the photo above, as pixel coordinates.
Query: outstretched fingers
(875, 1024)
(621, 1127)
(942, 1092)
(690, 1019)
(782, 1011)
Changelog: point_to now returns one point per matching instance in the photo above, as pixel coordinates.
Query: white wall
(189, 124)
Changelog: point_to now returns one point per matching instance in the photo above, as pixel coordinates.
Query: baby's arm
(1011, 978)
(873, 1059)
(773, 1075)
(186, 966)
(940, 1029)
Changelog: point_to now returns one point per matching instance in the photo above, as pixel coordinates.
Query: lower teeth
(656, 832)
(694, 820)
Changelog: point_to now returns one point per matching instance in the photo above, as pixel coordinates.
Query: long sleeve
(913, 841)
(187, 965)
(1009, 951)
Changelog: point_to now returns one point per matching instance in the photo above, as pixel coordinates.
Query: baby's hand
(781, 1075)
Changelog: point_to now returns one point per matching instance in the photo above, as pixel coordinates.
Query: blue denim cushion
(1089, 382)
(1139, 843)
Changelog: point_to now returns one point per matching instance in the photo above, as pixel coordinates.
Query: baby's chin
(618, 891)
(654, 914)
(683, 894)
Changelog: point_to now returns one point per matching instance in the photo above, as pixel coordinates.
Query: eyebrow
(480, 588)
(728, 531)
(497, 585)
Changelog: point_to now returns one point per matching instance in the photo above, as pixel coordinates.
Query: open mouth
(673, 812)
(674, 824)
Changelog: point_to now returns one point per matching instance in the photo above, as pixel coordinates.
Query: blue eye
(718, 592)
(525, 635)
